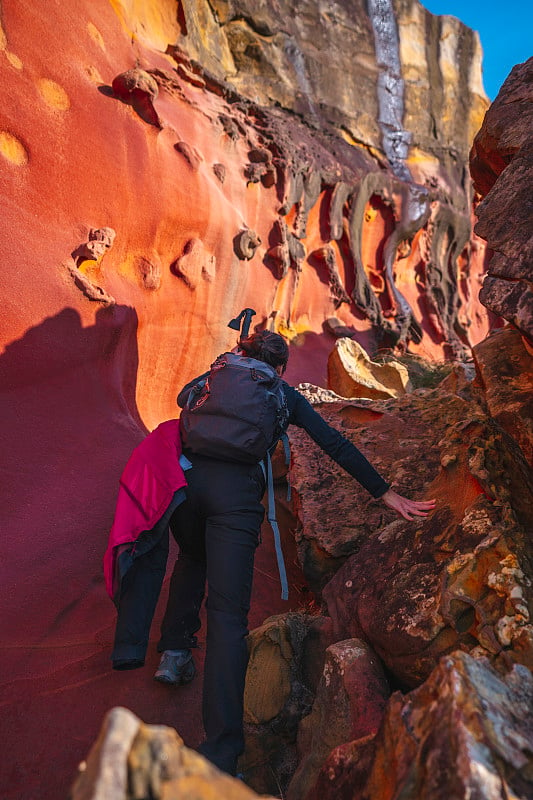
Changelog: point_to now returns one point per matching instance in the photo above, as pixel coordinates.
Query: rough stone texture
(467, 732)
(459, 578)
(99, 241)
(302, 62)
(336, 516)
(92, 355)
(334, 325)
(286, 660)
(134, 761)
(505, 371)
(349, 704)
(245, 244)
(150, 271)
(195, 264)
(351, 373)
(190, 154)
(139, 89)
(105, 773)
(501, 165)
(462, 577)
(345, 771)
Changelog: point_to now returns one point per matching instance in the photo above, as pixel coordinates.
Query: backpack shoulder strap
(233, 359)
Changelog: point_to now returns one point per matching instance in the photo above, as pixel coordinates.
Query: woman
(217, 529)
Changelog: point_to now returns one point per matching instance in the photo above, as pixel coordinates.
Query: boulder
(458, 579)
(351, 373)
(335, 515)
(350, 703)
(467, 732)
(501, 161)
(286, 660)
(345, 770)
(133, 761)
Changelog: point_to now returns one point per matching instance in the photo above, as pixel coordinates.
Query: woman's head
(268, 347)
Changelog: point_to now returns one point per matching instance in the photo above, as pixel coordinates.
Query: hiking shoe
(175, 668)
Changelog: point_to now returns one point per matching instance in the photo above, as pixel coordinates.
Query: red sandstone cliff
(163, 165)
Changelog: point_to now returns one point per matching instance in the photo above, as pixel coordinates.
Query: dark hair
(266, 346)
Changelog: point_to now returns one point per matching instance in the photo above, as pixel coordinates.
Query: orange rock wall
(76, 158)
(126, 229)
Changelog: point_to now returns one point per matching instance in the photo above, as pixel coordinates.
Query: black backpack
(237, 412)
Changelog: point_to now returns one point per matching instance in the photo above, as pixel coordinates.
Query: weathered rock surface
(301, 62)
(345, 771)
(444, 602)
(501, 165)
(336, 516)
(462, 577)
(139, 89)
(158, 121)
(458, 579)
(349, 704)
(504, 368)
(134, 761)
(286, 659)
(467, 732)
(351, 373)
(195, 264)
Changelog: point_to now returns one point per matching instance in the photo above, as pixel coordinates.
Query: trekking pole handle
(248, 314)
(245, 317)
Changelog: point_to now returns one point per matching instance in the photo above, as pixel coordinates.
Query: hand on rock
(407, 508)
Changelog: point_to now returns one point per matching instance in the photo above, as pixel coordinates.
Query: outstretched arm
(407, 508)
(350, 458)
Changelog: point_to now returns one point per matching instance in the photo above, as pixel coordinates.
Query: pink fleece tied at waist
(150, 478)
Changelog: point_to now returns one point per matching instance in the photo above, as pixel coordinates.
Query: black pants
(217, 530)
(143, 569)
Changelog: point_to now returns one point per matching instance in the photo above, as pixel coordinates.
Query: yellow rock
(14, 60)
(133, 760)
(12, 149)
(351, 373)
(54, 94)
(95, 34)
(154, 24)
(268, 678)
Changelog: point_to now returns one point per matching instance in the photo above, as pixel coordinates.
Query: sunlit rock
(245, 244)
(459, 579)
(131, 760)
(195, 264)
(336, 516)
(279, 126)
(351, 373)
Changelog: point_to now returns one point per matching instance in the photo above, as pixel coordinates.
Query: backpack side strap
(271, 516)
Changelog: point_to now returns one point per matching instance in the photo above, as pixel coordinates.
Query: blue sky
(505, 29)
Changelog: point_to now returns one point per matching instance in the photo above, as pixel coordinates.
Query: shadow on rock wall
(68, 423)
